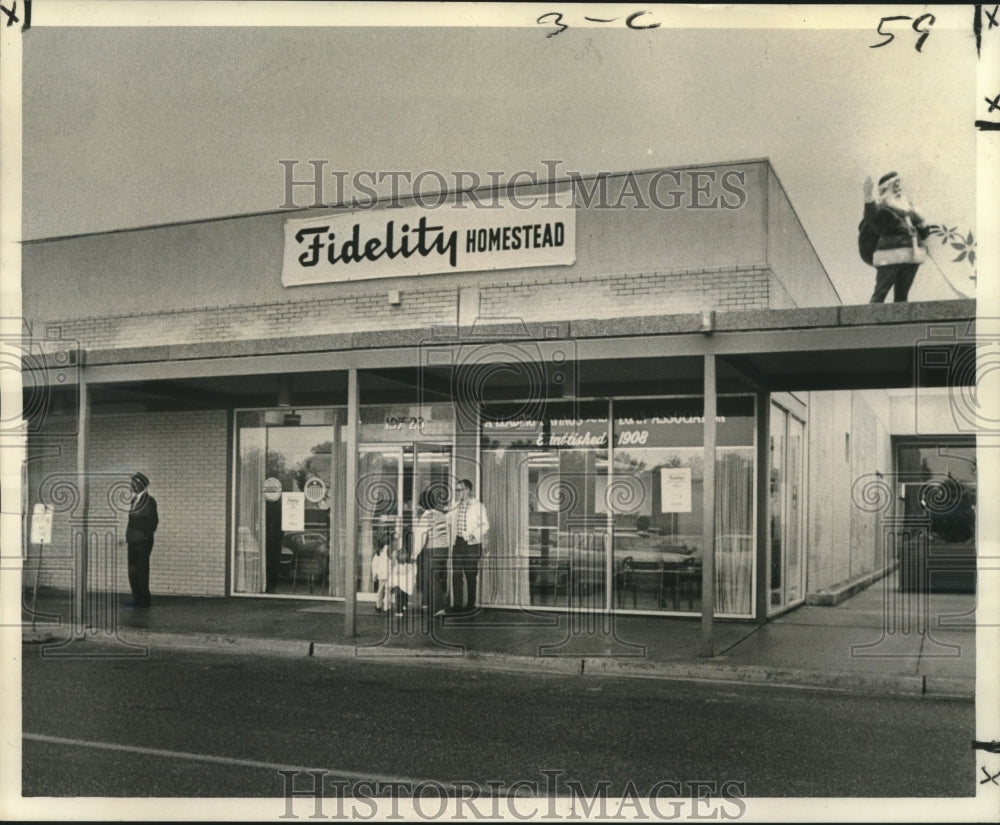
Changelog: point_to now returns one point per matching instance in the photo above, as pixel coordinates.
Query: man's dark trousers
(465, 572)
(898, 278)
(436, 591)
(138, 571)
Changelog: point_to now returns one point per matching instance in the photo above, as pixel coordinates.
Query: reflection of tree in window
(277, 466)
(293, 479)
(630, 462)
(950, 505)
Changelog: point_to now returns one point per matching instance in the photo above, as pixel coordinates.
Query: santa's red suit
(900, 251)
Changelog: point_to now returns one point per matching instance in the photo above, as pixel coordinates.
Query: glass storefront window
(543, 486)
(577, 524)
(592, 504)
(290, 504)
(656, 501)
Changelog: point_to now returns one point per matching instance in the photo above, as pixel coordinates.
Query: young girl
(431, 547)
(403, 575)
(380, 573)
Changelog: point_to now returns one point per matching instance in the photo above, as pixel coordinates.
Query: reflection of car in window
(305, 555)
(653, 549)
(317, 518)
(584, 554)
(954, 524)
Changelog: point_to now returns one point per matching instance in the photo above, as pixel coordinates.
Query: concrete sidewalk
(880, 641)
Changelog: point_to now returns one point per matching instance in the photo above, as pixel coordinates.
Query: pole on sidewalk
(351, 509)
(708, 510)
(38, 537)
(34, 589)
(763, 457)
(82, 538)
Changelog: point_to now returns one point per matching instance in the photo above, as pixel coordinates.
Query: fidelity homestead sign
(389, 243)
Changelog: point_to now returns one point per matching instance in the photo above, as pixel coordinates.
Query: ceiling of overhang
(866, 368)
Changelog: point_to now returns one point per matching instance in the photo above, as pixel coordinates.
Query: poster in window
(293, 512)
(675, 489)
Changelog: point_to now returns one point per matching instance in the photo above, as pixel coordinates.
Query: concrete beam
(870, 328)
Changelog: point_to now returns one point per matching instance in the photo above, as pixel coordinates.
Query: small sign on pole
(41, 524)
(40, 533)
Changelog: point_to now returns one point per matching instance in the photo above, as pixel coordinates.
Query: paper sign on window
(293, 512)
(675, 489)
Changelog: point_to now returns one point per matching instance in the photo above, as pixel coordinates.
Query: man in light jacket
(468, 524)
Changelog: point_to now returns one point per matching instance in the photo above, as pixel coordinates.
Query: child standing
(380, 575)
(403, 573)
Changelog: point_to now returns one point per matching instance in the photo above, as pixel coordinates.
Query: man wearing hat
(142, 522)
(901, 230)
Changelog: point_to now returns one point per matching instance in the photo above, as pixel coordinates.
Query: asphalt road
(186, 724)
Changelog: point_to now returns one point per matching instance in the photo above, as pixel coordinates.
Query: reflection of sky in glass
(656, 457)
(959, 461)
(296, 443)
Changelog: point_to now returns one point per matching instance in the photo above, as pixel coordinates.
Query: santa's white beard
(901, 202)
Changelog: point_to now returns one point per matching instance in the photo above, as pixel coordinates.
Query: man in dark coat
(142, 522)
(901, 230)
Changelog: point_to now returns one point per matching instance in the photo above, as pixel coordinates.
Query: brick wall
(185, 456)
(554, 298)
(637, 293)
(419, 308)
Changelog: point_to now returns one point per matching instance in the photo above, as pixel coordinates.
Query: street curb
(218, 642)
(844, 681)
(831, 598)
(950, 687)
(838, 681)
(456, 658)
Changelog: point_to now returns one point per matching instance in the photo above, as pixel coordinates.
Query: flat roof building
(649, 378)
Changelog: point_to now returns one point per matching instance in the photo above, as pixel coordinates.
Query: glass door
(938, 489)
(379, 500)
(786, 522)
(288, 497)
(795, 539)
(776, 508)
(391, 479)
(427, 467)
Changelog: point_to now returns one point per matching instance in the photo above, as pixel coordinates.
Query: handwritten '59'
(556, 19)
(889, 36)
